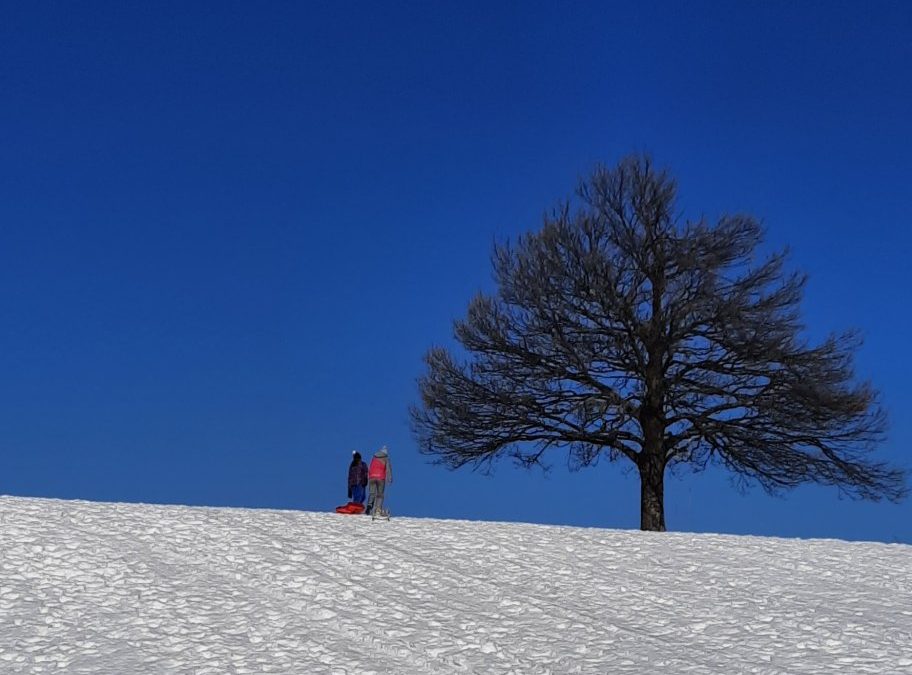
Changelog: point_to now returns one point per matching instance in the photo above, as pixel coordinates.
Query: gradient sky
(230, 231)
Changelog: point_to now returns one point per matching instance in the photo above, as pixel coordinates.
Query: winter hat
(382, 452)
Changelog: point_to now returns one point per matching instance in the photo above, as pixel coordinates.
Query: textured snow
(116, 588)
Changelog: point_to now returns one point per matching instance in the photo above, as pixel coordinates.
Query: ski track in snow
(119, 588)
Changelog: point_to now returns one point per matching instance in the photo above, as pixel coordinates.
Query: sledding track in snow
(116, 588)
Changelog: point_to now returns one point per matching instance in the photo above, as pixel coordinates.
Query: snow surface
(117, 588)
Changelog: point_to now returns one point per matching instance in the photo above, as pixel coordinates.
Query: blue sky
(230, 231)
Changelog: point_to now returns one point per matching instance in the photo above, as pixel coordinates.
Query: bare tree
(621, 330)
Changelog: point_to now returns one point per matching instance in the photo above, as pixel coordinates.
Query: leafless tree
(621, 330)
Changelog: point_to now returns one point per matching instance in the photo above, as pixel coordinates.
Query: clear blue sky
(230, 231)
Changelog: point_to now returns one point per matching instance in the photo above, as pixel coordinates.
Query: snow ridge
(119, 588)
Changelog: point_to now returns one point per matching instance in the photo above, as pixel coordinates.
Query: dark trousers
(358, 494)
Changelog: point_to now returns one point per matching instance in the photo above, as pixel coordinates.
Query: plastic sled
(352, 508)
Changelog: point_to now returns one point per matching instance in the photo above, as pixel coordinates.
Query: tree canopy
(622, 330)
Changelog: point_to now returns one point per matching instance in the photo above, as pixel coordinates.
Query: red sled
(352, 508)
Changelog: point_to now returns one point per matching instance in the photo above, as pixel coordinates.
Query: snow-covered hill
(116, 588)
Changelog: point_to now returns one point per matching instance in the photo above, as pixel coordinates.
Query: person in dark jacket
(357, 478)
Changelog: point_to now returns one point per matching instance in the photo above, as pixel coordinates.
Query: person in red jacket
(379, 473)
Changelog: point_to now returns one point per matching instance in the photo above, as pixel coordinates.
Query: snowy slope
(105, 588)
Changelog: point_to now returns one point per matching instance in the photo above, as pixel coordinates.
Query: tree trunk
(652, 494)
